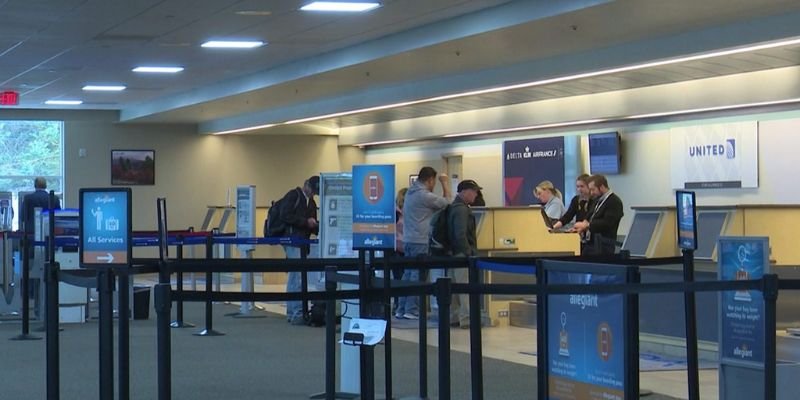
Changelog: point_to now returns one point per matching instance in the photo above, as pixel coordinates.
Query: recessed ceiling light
(104, 88)
(162, 70)
(233, 44)
(340, 6)
(254, 13)
(64, 102)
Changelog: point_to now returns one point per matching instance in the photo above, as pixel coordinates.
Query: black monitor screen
(709, 228)
(642, 229)
(604, 156)
(687, 228)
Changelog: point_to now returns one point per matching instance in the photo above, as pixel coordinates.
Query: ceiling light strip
(248, 129)
(738, 50)
(340, 6)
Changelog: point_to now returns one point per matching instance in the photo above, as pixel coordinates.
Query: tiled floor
(511, 343)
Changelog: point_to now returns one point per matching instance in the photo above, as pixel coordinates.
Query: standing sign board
(588, 354)
(245, 215)
(741, 314)
(105, 229)
(336, 215)
(373, 207)
(687, 220)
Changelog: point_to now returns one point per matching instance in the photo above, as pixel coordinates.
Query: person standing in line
(463, 243)
(420, 205)
(579, 205)
(601, 227)
(299, 213)
(550, 198)
(38, 199)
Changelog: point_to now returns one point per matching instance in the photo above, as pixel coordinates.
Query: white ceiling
(317, 64)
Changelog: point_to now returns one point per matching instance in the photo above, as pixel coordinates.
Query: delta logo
(726, 149)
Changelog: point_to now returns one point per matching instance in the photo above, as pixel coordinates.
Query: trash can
(141, 302)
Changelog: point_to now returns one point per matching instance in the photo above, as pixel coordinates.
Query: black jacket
(603, 225)
(296, 218)
(40, 198)
(462, 229)
(578, 209)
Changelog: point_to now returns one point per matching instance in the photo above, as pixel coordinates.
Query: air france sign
(715, 156)
(105, 230)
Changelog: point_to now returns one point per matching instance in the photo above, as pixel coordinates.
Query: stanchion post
(51, 329)
(387, 341)
(209, 330)
(475, 334)
(770, 292)
(690, 317)
(123, 316)
(105, 286)
(366, 353)
(541, 335)
(179, 322)
(163, 303)
(304, 249)
(444, 292)
(330, 335)
(423, 336)
(23, 289)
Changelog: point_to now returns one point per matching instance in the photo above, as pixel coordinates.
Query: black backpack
(440, 231)
(274, 225)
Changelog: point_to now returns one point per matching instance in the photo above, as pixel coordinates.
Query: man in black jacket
(601, 228)
(299, 214)
(41, 199)
(463, 242)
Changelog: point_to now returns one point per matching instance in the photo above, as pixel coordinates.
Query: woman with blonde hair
(550, 197)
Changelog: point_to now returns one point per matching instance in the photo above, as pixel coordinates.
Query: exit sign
(9, 98)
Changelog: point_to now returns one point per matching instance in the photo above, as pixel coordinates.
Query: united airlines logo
(727, 149)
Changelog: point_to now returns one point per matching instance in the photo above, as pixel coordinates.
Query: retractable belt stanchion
(209, 330)
(366, 353)
(475, 334)
(105, 287)
(304, 249)
(330, 336)
(23, 290)
(770, 292)
(163, 303)
(690, 315)
(51, 325)
(443, 298)
(387, 339)
(423, 339)
(124, 334)
(179, 322)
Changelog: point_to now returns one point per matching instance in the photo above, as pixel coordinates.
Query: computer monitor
(604, 153)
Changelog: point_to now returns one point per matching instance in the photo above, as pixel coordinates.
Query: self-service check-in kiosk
(72, 300)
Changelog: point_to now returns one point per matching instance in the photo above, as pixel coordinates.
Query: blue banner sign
(373, 207)
(741, 339)
(528, 162)
(586, 338)
(105, 230)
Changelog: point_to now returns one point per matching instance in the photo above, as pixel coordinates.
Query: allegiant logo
(728, 149)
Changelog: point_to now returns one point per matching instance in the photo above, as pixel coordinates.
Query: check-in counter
(516, 232)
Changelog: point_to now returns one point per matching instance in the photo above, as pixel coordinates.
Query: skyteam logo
(728, 149)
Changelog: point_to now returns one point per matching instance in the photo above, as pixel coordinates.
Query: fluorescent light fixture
(718, 108)
(528, 128)
(738, 50)
(382, 142)
(233, 44)
(104, 88)
(159, 70)
(64, 102)
(340, 6)
(240, 130)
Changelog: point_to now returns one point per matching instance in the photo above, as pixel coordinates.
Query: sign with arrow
(105, 230)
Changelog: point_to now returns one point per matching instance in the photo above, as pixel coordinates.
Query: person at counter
(579, 205)
(600, 230)
(418, 208)
(550, 198)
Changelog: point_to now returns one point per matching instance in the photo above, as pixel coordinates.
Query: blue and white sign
(715, 156)
(741, 339)
(373, 207)
(528, 162)
(105, 230)
(586, 343)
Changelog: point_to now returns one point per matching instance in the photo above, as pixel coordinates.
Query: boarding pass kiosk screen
(105, 229)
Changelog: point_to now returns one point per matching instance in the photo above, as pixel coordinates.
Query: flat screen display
(687, 220)
(604, 155)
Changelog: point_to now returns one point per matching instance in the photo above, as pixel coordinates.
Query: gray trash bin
(141, 302)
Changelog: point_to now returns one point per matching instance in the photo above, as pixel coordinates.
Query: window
(29, 149)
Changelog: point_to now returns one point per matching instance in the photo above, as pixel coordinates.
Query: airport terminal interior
(215, 109)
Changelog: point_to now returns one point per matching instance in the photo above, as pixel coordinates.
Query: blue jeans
(410, 305)
(294, 282)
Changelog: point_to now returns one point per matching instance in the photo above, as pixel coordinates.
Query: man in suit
(600, 229)
(40, 198)
(299, 213)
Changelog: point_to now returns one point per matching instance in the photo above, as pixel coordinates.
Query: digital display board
(105, 230)
(687, 219)
(604, 156)
(373, 207)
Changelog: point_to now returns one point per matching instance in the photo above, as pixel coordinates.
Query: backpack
(440, 231)
(274, 225)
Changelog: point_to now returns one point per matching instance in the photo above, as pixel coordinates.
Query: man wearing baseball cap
(463, 242)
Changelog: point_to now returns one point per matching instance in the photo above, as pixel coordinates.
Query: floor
(517, 345)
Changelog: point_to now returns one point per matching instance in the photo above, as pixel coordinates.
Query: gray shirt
(419, 206)
(554, 208)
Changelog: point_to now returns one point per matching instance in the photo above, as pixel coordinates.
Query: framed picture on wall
(412, 179)
(133, 167)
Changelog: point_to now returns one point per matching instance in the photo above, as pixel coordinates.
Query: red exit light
(9, 98)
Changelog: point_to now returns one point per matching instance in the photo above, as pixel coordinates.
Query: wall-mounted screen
(687, 218)
(604, 153)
